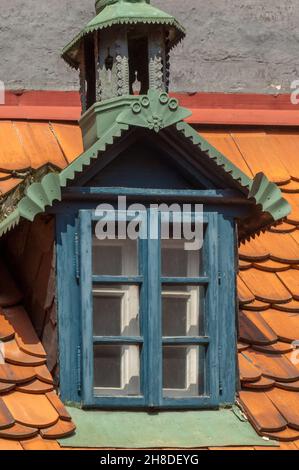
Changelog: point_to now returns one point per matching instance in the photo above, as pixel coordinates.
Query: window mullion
(86, 304)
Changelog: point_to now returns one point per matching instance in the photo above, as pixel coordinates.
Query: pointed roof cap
(123, 12)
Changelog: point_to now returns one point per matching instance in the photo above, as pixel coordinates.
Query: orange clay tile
(266, 286)
(60, 429)
(286, 144)
(291, 187)
(9, 292)
(31, 410)
(271, 266)
(40, 144)
(7, 444)
(248, 372)
(37, 443)
(226, 145)
(26, 337)
(292, 306)
(291, 386)
(70, 140)
(276, 367)
(261, 154)
(254, 250)
(6, 387)
(56, 402)
(282, 248)
(12, 153)
(6, 419)
(9, 185)
(244, 264)
(287, 435)
(263, 414)
(18, 431)
(10, 373)
(293, 199)
(262, 384)
(35, 386)
(256, 306)
(6, 330)
(245, 296)
(284, 227)
(288, 405)
(285, 325)
(276, 348)
(43, 374)
(254, 329)
(242, 346)
(13, 355)
(290, 278)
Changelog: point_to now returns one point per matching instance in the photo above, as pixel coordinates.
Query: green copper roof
(118, 12)
(156, 112)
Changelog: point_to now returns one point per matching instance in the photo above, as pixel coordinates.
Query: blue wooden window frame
(150, 339)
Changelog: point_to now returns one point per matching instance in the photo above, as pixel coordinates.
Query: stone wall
(232, 45)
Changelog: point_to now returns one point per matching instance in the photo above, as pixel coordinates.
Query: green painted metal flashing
(187, 429)
(265, 193)
(124, 12)
(154, 111)
(40, 195)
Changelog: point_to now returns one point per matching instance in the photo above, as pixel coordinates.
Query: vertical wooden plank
(86, 305)
(212, 309)
(227, 309)
(154, 339)
(68, 305)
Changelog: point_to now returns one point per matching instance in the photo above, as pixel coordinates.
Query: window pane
(183, 310)
(116, 310)
(183, 371)
(178, 262)
(114, 257)
(116, 370)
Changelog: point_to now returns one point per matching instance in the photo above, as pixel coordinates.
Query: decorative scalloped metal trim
(172, 22)
(154, 111)
(40, 195)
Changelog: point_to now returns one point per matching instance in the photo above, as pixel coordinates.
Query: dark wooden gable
(143, 160)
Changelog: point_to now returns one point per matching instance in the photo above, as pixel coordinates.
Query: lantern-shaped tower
(123, 51)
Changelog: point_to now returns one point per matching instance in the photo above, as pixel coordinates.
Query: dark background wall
(231, 46)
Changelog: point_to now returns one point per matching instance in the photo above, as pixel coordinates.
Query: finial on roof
(101, 4)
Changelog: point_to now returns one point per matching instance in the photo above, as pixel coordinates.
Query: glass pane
(116, 370)
(116, 310)
(183, 371)
(178, 262)
(183, 310)
(114, 257)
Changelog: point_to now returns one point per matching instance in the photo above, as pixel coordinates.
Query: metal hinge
(219, 368)
(79, 369)
(77, 257)
(219, 278)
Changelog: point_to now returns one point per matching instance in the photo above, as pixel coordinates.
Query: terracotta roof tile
(33, 411)
(288, 405)
(7, 444)
(290, 278)
(266, 286)
(262, 384)
(254, 329)
(261, 154)
(28, 403)
(287, 435)
(248, 371)
(37, 443)
(244, 293)
(264, 415)
(285, 325)
(276, 367)
(58, 430)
